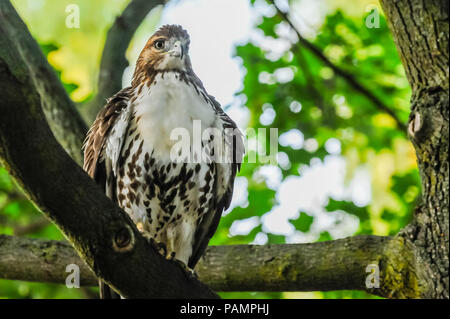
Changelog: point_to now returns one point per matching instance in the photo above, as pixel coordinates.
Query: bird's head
(166, 50)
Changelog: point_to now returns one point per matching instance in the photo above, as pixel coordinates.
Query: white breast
(167, 105)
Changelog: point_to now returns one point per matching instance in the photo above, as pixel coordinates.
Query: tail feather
(106, 292)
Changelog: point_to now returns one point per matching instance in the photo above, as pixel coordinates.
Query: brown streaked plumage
(129, 150)
(150, 57)
(95, 139)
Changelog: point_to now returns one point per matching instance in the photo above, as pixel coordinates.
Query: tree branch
(102, 234)
(331, 265)
(25, 59)
(113, 61)
(32, 227)
(342, 73)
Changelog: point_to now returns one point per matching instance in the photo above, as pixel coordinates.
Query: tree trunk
(420, 30)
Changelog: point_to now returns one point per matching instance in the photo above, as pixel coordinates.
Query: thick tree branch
(24, 58)
(102, 234)
(331, 265)
(32, 227)
(113, 61)
(340, 72)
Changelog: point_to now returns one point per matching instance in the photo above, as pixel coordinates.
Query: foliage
(307, 97)
(323, 106)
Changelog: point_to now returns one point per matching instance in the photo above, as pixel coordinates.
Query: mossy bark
(421, 31)
(294, 267)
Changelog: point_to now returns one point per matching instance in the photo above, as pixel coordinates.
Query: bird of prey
(173, 194)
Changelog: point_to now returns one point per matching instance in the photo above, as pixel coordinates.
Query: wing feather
(101, 151)
(224, 183)
(96, 139)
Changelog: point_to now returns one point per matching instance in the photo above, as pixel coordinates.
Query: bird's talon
(158, 246)
(151, 240)
(171, 256)
(162, 249)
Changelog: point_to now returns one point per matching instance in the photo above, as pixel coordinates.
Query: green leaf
(303, 222)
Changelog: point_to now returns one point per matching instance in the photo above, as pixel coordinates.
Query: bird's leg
(167, 253)
(162, 249)
(170, 232)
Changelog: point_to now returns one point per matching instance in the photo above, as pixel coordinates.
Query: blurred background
(343, 166)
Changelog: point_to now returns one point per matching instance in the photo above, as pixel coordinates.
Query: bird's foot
(159, 247)
(190, 273)
(162, 249)
(171, 256)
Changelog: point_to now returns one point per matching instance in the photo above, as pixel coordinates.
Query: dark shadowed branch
(340, 72)
(290, 267)
(113, 61)
(24, 58)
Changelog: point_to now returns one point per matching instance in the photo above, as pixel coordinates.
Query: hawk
(174, 191)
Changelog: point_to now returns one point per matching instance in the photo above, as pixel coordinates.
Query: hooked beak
(177, 50)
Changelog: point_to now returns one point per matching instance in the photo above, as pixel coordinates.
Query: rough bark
(421, 31)
(103, 235)
(27, 62)
(291, 267)
(114, 62)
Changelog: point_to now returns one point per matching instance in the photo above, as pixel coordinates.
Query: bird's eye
(159, 44)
